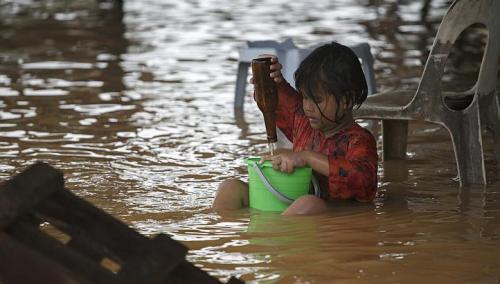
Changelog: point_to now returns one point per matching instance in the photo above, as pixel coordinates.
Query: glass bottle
(266, 96)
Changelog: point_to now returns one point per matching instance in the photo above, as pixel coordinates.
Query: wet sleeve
(289, 102)
(354, 176)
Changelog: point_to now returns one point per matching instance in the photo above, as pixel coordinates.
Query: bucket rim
(256, 159)
(267, 164)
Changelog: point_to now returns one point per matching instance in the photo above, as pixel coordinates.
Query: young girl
(318, 120)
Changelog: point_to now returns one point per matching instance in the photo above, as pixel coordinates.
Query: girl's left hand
(286, 162)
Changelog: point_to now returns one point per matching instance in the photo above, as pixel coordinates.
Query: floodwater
(135, 105)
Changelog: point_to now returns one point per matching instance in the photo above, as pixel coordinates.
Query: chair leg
(367, 57)
(241, 83)
(395, 137)
(468, 146)
(496, 139)
(490, 111)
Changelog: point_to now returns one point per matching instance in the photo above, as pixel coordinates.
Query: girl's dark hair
(335, 69)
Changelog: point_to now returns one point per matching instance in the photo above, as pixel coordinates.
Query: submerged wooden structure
(85, 245)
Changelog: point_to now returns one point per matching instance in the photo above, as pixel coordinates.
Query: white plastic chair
(290, 57)
(462, 114)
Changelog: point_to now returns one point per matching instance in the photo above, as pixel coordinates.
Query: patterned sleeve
(353, 175)
(289, 102)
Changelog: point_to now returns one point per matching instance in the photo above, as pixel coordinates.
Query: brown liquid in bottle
(266, 96)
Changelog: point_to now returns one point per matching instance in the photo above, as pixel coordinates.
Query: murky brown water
(137, 111)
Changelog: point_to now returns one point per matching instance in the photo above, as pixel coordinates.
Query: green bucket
(272, 190)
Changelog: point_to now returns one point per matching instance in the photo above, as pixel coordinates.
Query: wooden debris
(94, 247)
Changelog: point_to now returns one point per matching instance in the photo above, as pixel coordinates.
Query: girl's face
(321, 110)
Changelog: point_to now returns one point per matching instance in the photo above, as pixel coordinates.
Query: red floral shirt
(352, 152)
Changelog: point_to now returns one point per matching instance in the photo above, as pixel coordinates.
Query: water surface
(136, 107)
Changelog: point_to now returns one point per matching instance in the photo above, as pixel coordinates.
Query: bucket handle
(275, 192)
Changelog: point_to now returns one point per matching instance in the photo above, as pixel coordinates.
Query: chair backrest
(461, 15)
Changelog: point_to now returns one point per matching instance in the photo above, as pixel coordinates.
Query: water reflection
(54, 77)
(135, 104)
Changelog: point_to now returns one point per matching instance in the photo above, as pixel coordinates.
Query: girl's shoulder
(355, 133)
(353, 129)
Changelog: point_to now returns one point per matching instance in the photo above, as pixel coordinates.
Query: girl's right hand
(275, 68)
(286, 161)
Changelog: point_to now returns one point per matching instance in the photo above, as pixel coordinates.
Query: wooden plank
(25, 190)
(80, 265)
(159, 257)
(78, 242)
(91, 249)
(19, 264)
(77, 217)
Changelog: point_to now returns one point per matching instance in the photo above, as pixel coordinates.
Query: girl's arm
(317, 161)
(289, 102)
